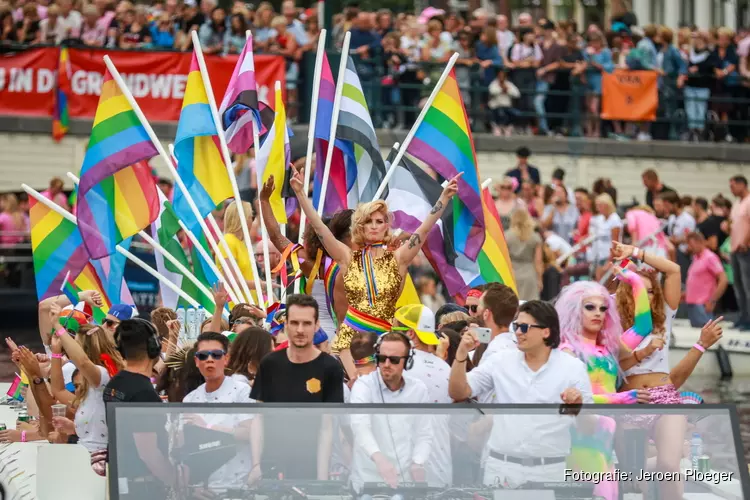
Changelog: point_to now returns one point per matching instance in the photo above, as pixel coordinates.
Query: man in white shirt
(525, 448)
(390, 448)
(68, 22)
(680, 224)
(497, 308)
(211, 358)
(418, 323)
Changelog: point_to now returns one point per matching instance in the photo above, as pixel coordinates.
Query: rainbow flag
(115, 200)
(69, 290)
(273, 158)
(443, 141)
(196, 147)
(111, 271)
(336, 192)
(88, 279)
(494, 258)
(57, 249)
(60, 114)
(15, 391)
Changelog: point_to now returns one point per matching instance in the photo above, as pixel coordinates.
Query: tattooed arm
(406, 253)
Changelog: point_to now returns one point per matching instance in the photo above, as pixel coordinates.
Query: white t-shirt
(557, 243)
(599, 249)
(680, 226)
(234, 473)
(91, 416)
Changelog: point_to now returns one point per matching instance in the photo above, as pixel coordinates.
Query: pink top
(59, 198)
(702, 276)
(7, 225)
(740, 216)
(642, 224)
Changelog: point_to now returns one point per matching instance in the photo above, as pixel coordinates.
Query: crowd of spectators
(536, 77)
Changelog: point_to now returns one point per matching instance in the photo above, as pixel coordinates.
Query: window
(687, 12)
(717, 13)
(657, 12)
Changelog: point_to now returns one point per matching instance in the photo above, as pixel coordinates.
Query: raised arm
(272, 225)
(710, 334)
(75, 352)
(643, 324)
(406, 253)
(338, 251)
(57, 382)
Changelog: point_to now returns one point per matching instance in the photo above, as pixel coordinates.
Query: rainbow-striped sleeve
(642, 325)
(616, 398)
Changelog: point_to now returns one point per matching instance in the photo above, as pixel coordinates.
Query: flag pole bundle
(59, 211)
(198, 51)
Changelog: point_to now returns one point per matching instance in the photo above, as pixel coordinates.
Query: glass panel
(657, 11)
(687, 12)
(430, 451)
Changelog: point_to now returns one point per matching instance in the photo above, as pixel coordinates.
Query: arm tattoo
(438, 206)
(414, 241)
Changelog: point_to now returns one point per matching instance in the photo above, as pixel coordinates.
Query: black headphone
(409, 361)
(153, 344)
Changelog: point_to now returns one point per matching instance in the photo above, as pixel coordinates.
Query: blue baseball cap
(122, 312)
(320, 337)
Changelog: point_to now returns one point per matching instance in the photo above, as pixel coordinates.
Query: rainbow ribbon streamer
(368, 267)
(363, 322)
(329, 279)
(642, 325)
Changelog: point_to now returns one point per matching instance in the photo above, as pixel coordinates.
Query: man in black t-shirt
(143, 469)
(653, 186)
(298, 374)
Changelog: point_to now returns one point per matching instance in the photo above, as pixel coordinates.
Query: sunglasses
(524, 327)
(216, 354)
(592, 307)
(381, 358)
(506, 187)
(474, 308)
(111, 323)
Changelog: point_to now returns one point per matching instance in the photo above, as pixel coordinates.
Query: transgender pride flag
(336, 193)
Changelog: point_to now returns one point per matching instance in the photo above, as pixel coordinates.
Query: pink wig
(569, 307)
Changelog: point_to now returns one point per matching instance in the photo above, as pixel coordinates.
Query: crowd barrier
(236, 451)
(157, 78)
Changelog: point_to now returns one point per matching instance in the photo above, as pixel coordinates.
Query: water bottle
(191, 334)
(181, 319)
(696, 450)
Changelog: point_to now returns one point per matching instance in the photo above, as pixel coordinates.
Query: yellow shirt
(239, 251)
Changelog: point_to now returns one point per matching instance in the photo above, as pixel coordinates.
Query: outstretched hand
(297, 182)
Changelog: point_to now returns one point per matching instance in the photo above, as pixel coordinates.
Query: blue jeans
(696, 106)
(540, 98)
(698, 315)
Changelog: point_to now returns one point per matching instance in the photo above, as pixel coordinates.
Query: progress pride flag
(157, 80)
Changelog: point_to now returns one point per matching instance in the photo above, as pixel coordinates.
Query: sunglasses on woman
(474, 308)
(524, 327)
(111, 323)
(216, 354)
(592, 307)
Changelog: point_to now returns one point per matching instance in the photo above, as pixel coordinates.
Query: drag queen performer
(648, 366)
(591, 331)
(373, 275)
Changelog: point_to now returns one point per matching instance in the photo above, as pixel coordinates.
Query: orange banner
(630, 95)
(156, 79)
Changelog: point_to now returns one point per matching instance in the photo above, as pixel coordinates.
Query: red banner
(156, 79)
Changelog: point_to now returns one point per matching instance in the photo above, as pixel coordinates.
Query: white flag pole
(228, 162)
(233, 288)
(155, 141)
(311, 129)
(486, 184)
(334, 122)
(163, 251)
(70, 217)
(413, 131)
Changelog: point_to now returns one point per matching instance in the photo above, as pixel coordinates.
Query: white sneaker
(729, 138)
(644, 136)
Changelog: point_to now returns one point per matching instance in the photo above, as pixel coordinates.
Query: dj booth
(263, 451)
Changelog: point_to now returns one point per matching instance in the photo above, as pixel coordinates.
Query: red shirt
(582, 229)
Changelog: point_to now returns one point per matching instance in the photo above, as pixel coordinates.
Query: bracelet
(699, 347)
(635, 252)
(23, 436)
(60, 332)
(461, 360)
(56, 355)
